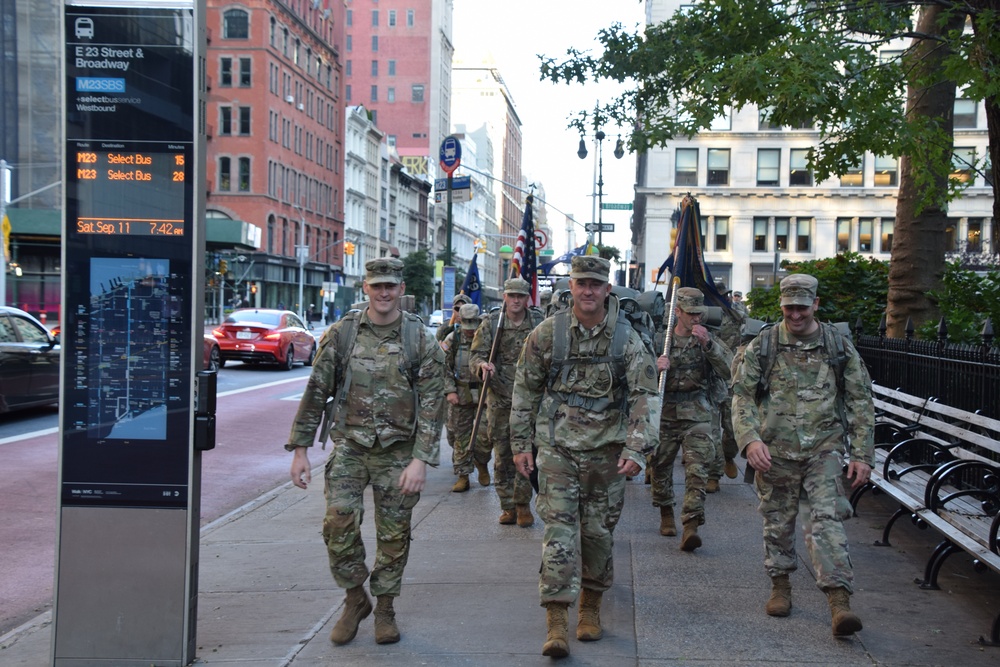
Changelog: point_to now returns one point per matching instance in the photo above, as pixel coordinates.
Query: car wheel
(214, 360)
(289, 358)
(312, 356)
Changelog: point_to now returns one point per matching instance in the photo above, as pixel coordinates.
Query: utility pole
(4, 200)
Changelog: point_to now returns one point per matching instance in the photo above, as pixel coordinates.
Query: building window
(803, 229)
(374, 43)
(686, 166)
(768, 166)
(843, 234)
(781, 234)
(974, 235)
(244, 120)
(854, 177)
(417, 92)
(962, 160)
(760, 234)
(988, 171)
(295, 53)
(409, 18)
(886, 168)
(225, 121)
(374, 68)
(284, 42)
(764, 119)
(798, 169)
(374, 95)
(390, 94)
(391, 141)
(965, 113)
(374, 18)
(271, 34)
(887, 228)
(723, 123)
(349, 43)
(865, 227)
(245, 66)
(349, 19)
(235, 24)
(347, 92)
(225, 72)
(392, 68)
(348, 67)
(763, 276)
(718, 166)
(392, 18)
(721, 234)
(225, 175)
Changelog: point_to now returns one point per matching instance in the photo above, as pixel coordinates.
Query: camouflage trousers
(580, 499)
(460, 419)
(698, 440)
(349, 470)
(512, 488)
(725, 447)
(814, 490)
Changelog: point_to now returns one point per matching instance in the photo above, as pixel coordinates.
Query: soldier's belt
(470, 385)
(681, 396)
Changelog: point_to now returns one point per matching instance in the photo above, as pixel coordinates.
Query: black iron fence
(962, 376)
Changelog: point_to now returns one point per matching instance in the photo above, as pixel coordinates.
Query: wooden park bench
(942, 465)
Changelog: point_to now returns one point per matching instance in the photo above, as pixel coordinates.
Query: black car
(29, 362)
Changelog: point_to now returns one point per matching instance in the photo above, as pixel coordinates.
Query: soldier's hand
(663, 363)
(486, 369)
(452, 398)
(861, 472)
(301, 471)
(524, 463)
(701, 333)
(758, 456)
(413, 477)
(628, 467)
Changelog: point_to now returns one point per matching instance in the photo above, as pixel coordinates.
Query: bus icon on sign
(84, 27)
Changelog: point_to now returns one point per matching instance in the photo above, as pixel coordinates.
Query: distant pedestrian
(462, 388)
(281, 305)
(385, 431)
(801, 402)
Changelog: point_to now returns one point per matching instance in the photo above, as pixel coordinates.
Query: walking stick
(482, 393)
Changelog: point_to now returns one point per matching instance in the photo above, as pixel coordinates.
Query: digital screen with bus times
(130, 189)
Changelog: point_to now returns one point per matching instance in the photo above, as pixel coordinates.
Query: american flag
(687, 257)
(525, 263)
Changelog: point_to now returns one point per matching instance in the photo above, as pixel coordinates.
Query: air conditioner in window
(302, 107)
(290, 99)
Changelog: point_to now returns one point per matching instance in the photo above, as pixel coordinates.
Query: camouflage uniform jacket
(536, 416)
(697, 379)
(730, 332)
(502, 383)
(444, 331)
(380, 401)
(458, 376)
(799, 418)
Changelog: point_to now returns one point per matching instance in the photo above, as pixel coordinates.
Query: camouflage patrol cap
(798, 289)
(470, 316)
(383, 270)
(460, 299)
(517, 286)
(738, 294)
(589, 266)
(691, 300)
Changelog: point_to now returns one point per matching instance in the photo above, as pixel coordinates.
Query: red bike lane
(248, 460)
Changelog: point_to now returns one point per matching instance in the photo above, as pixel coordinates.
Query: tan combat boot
(524, 516)
(780, 602)
(588, 625)
(712, 486)
(484, 474)
(508, 517)
(461, 485)
(386, 631)
(557, 620)
(357, 607)
(730, 469)
(845, 622)
(667, 526)
(690, 540)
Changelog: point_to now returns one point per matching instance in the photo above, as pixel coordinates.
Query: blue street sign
(451, 154)
(457, 183)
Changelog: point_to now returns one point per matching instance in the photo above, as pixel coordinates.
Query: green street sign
(616, 207)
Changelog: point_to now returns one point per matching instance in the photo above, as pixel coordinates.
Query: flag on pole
(525, 262)
(471, 287)
(687, 257)
(565, 259)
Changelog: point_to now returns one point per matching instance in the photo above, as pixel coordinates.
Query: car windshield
(263, 317)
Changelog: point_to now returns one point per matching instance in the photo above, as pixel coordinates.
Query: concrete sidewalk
(470, 596)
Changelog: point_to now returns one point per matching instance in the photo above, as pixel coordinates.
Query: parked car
(211, 358)
(29, 362)
(437, 318)
(264, 335)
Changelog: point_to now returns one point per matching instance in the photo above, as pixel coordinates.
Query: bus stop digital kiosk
(135, 410)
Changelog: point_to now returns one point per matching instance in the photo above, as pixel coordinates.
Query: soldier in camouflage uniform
(739, 305)
(452, 325)
(795, 436)
(730, 333)
(386, 433)
(591, 430)
(514, 491)
(461, 388)
(697, 368)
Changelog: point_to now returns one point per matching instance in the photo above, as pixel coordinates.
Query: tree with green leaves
(818, 64)
(418, 274)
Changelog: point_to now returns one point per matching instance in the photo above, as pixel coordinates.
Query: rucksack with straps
(833, 345)
(411, 329)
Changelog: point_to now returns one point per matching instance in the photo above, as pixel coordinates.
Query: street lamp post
(506, 254)
(599, 195)
(302, 252)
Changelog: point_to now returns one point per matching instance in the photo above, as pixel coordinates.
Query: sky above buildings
(514, 32)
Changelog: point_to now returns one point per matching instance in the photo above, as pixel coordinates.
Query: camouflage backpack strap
(412, 329)
(560, 345)
(345, 338)
(766, 354)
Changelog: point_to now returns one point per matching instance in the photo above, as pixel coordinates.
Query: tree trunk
(987, 60)
(918, 247)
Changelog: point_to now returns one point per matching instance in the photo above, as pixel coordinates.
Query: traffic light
(223, 266)
(348, 248)
(253, 288)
